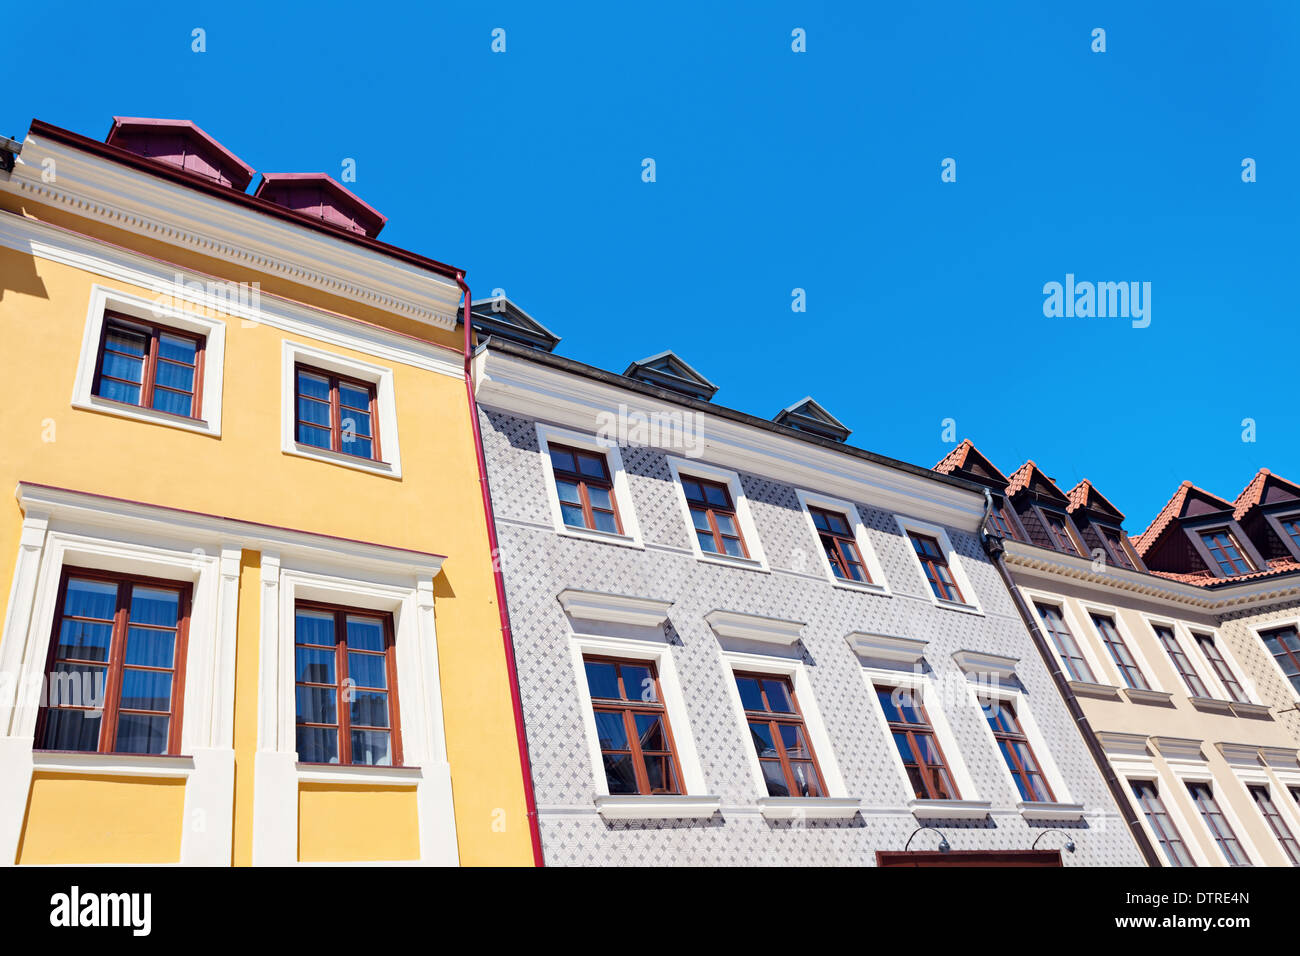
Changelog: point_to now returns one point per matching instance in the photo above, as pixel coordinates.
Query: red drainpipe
(530, 799)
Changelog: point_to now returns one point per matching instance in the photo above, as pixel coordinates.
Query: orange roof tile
(1172, 509)
(1081, 494)
(955, 459)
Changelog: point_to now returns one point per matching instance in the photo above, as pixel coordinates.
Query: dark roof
(668, 370)
(503, 319)
(809, 415)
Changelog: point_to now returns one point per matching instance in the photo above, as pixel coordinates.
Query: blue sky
(819, 170)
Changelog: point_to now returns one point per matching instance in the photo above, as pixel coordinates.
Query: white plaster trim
(887, 647)
(117, 765)
(696, 469)
(808, 808)
(1258, 630)
(1193, 771)
(879, 584)
(1089, 608)
(1042, 810)
(979, 663)
(754, 627)
(1186, 642)
(657, 806)
(614, 608)
(385, 396)
(631, 535)
(949, 809)
(213, 331)
(1019, 701)
(1085, 638)
(907, 525)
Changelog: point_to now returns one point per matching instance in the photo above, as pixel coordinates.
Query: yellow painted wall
(386, 825)
(81, 818)
(435, 507)
(246, 666)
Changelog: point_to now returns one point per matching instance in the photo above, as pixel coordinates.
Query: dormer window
(1002, 523)
(1224, 550)
(1115, 543)
(1059, 533)
(1291, 525)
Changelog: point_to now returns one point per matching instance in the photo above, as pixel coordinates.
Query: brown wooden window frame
(775, 720)
(1263, 797)
(1114, 541)
(1213, 654)
(1168, 639)
(1229, 540)
(342, 710)
(1147, 794)
(1129, 670)
(1076, 665)
(1009, 739)
(1003, 524)
(149, 368)
(1283, 652)
(1062, 540)
(1290, 525)
(1216, 821)
(935, 567)
(629, 707)
(585, 482)
(841, 548)
(711, 512)
(337, 409)
(116, 662)
(910, 731)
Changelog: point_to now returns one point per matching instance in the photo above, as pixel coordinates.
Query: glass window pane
(177, 348)
(888, 704)
(316, 437)
(368, 670)
(125, 340)
(355, 425)
(173, 403)
(87, 598)
(71, 730)
(650, 732)
(179, 377)
(84, 641)
(568, 492)
(314, 413)
(805, 779)
(904, 748)
(318, 745)
(354, 398)
(707, 544)
(316, 705)
(715, 495)
(750, 696)
(562, 460)
(619, 773)
(314, 664)
(733, 548)
(117, 392)
(662, 779)
(156, 606)
(774, 777)
(611, 730)
(599, 497)
(700, 519)
(123, 366)
(726, 524)
(778, 697)
(365, 633)
(591, 465)
(692, 490)
(637, 683)
(573, 516)
(141, 734)
(605, 521)
(369, 709)
(796, 748)
(146, 690)
(313, 386)
(372, 748)
(602, 680)
(150, 648)
(761, 733)
(361, 447)
(77, 685)
(314, 627)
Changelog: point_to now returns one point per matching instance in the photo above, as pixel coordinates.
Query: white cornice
(1029, 560)
(1118, 744)
(754, 627)
(1280, 758)
(85, 509)
(538, 391)
(1179, 748)
(98, 189)
(1241, 755)
(887, 647)
(46, 241)
(614, 608)
(980, 662)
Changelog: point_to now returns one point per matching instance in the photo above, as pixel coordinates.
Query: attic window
(1225, 552)
(667, 371)
(319, 196)
(1115, 543)
(809, 416)
(1060, 534)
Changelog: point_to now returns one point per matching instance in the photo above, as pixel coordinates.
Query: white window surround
(697, 469)
(1102, 670)
(850, 512)
(1173, 806)
(631, 536)
(1252, 773)
(968, 805)
(1090, 608)
(837, 803)
(158, 311)
(1198, 771)
(1185, 635)
(1259, 630)
(385, 399)
(940, 534)
(1063, 807)
(696, 801)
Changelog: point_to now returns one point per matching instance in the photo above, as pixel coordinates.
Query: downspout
(530, 798)
(994, 549)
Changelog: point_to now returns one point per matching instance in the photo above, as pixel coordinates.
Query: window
(585, 489)
(116, 665)
(935, 565)
(1002, 523)
(1066, 646)
(335, 413)
(1221, 669)
(841, 547)
(632, 727)
(1284, 645)
(915, 739)
(714, 517)
(1291, 525)
(1117, 549)
(1191, 679)
(345, 685)
(150, 366)
(1275, 822)
(1016, 751)
(1226, 840)
(1119, 652)
(1162, 825)
(1225, 553)
(1059, 533)
(777, 729)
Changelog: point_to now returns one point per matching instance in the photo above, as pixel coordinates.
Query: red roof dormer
(318, 195)
(181, 144)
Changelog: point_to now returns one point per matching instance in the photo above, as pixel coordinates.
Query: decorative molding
(887, 647)
(1123, 745)
(1179, 748)
(754, 627)
(637, 806)
(1255, 711)
(1158, 698)
(115, 195)
(1086, 688)
(809, 808)
(1042, 810)
(950, 809)
(117, 765)
(614, 608)
(981, 662)
(1280, 758)
(1211, 705)
(1242, 755)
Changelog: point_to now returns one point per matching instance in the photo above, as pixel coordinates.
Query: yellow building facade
(250, 608)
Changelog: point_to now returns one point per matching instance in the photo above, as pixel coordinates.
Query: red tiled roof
(1203, 578)
(955, 459)
(1020, 477)
(1253, 493)
(1172, 509)
(1081, 495)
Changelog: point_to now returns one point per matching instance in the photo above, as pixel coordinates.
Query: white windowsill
(958, 606)
(141, 414)
(603, 537)
(658, 806)
(861, 587)
(809, 808)
(347, 461)
(1040, 810)
(950, 809)
(358, 773)
(1156, 697)
(730, 561)
(130, 765)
